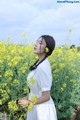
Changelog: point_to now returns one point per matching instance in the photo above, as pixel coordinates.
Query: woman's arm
(44, 98)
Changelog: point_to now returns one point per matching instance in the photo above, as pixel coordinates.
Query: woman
(44, 108)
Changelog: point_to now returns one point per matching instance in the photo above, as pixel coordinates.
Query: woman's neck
(41, 56)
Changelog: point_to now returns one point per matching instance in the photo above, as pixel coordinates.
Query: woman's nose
(35, 45)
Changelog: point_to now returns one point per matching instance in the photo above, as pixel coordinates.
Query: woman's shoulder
(45, 65)
(44, 69)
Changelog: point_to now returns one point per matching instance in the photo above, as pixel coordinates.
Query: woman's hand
(26, 98)
(23, 102)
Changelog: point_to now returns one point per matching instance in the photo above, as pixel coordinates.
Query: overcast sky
(39, 17)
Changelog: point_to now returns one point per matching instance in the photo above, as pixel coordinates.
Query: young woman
(44, 108)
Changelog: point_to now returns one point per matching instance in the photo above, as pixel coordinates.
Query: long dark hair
(50, 44)
(34, 66)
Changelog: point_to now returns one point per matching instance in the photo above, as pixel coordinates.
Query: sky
(39, 17)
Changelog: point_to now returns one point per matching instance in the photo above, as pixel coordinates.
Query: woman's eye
(40, 42)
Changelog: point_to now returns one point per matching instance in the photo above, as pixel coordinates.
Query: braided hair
(50, 44)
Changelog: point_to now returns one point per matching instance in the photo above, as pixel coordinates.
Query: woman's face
(40, 46)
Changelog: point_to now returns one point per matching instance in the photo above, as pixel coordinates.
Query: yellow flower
(5, 96)
(32, 81)
(34, 99)
(8, 57)
(23, 68)
(30, 107)
(9, 79)
(21, 117)
(70, 30)
(8, 73)
(0, 102)
(16, 81)
(64, 85)
(24, 35)
(47, 50)
(1, 61)
(73, 80)
(0, 76)
(26, 90)
(12, 105)
(62, 89)
(3, 85)
(61, 65)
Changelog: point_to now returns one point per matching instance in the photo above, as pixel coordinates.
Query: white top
(42, 81)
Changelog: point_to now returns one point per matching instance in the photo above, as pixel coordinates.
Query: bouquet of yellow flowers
(32, 102)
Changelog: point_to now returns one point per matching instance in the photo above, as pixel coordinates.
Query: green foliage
(66, 81)
(14, 67)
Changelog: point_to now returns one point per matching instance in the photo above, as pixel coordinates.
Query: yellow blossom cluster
(63, 87)
(31, 82)
(12, 105)
(8, 73)
(15, 61)
(33, 100)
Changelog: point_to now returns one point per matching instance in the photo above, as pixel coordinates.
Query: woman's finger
(19, 101)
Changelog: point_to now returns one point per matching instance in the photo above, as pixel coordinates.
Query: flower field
(15, 61)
